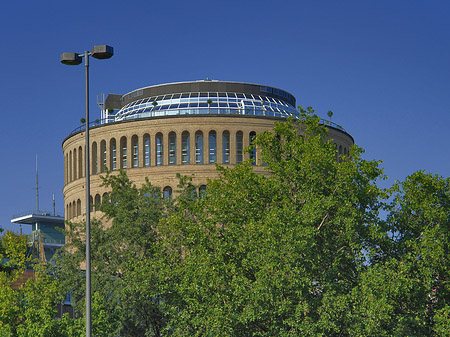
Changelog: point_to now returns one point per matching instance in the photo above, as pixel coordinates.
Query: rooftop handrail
(34, 212)
(198, 111)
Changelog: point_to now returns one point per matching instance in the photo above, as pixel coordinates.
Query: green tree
(125, 289)
(28, 307)
(298, 251)
(408, 294)
(275, 254)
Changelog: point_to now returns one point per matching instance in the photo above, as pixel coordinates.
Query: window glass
(97, 202)
(185, 148)
(226, 147)
(123, 147)
(199, 147)
(167, 192)
(113, 155)
(94, 158)
(159, 150)
(239, 147)
(135, 151)
(146, 150)
(212, 147)
(172, 148)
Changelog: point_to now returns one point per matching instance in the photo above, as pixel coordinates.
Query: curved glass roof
(195, 103)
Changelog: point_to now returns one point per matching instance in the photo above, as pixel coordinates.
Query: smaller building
(46, 236)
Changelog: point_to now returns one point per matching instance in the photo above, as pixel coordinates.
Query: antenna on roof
(54, 212)
(37, 187)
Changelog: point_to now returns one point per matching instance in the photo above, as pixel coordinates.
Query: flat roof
(113, 100)
(31, 219)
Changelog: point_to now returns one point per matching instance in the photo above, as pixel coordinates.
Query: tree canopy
(314, 247)
(28, 301)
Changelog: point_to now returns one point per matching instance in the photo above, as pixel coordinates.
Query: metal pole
(88, 205)
(37, 187)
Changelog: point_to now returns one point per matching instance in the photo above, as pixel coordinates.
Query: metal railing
(197, 111)
(34, 212)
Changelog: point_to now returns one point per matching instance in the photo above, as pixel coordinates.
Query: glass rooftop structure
(195, 103)
(204, 97)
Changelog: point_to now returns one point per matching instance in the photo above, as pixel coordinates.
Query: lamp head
(71, 59)
(102, 52)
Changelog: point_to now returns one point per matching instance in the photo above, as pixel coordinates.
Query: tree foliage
(28, 306)
(301, 250)
(123, 248)
(275, 254)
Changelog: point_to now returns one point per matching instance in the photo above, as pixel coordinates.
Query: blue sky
(383, 67)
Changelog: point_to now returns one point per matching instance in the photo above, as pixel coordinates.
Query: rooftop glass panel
(196, 103)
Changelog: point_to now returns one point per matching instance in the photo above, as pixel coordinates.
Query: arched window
(70, 166)
(252, 136)
(65, 169)
(78, 207)
(69, 212)
(146, 150)
(113, 154)
(97, 202)
(239, 147)
(91, 203)
(199, 147)
(103, 156)
(201, 191)
(80, 162)
(212, 142)
(185, 148)
(345, 151)
(135, 146)
(74, 164)
(226, 147)
(74, 209)
(172, 148)
(94, 158)
(159, 149)
(105, 196)
(167, 192)
(123, 152)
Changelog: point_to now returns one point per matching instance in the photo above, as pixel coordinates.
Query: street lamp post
(99, 52)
